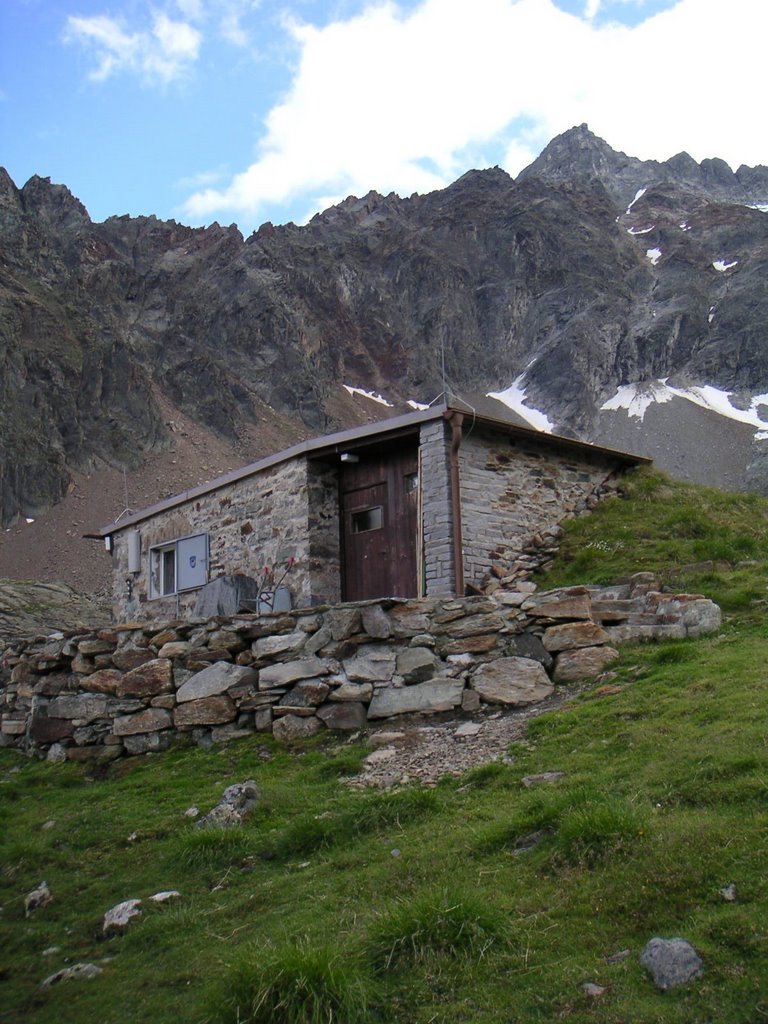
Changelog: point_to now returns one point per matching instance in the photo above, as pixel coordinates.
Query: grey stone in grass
(76, 972)
(542, 778)
(671, 962)
(118, 918)
(236, 802)
(592, 990)
(39, 897)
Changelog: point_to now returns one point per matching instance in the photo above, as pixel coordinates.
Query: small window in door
(411, 482)
(368, 519)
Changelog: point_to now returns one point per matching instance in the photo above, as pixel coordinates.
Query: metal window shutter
(192, 562)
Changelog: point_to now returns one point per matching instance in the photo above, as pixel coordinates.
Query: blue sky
(250, 110)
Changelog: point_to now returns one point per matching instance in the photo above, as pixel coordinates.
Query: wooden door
(379, 513)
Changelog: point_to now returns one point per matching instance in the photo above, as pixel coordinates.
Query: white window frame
(159, 564)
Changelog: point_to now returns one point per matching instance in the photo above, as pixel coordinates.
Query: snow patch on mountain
(637, 399)
(514, 398)
(654, 255)
(723, 265)
(641, 231)
(638, 195)
(367, 394)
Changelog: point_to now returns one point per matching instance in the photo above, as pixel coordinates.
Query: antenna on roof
(127, 511)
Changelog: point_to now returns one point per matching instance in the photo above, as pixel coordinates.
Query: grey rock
(309, 693)
(56, 754)
(701, 617)
(542, 778)
(207, 711)
(166, 896)
(512, 681)
(292, 671)
(671, 962)
(77, 972)
(440, 694)
(343, 622)
(592, 990)
(372, 663)
(574, 634)
(352, 691)
(146, 743)
(376, 621)
(416, 664)
(584, 663)
(467, 729)
(118, 918)
(38, 897)
(215, 679)
(82, 707)
(280, 646)
(528, 645)
(151, 720)
(291, 727)
(344, 717)
(236, 802)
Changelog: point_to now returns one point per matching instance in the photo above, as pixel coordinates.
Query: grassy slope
(663, 804)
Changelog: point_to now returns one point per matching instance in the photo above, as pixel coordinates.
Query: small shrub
(434, 924)
(345, 762)
(213, 847)
(368, 813)
(589, 832)
(295, 983)
(306, 834)
(673, 653)
(734, 929)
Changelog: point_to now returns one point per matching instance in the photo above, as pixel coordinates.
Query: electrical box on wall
(134, 551)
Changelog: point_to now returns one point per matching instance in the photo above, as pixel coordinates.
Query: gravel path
(423, 748)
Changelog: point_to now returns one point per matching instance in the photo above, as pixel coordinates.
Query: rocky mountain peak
(54, 203)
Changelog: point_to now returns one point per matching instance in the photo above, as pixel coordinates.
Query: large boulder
(671, 962)
(512, 681)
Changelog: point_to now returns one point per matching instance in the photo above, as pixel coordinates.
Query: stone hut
(422, 505)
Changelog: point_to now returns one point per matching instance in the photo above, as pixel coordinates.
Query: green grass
(436, 906)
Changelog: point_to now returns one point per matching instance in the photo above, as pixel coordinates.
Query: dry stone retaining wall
(135, 688)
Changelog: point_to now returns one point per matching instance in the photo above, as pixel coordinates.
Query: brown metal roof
(354, 437)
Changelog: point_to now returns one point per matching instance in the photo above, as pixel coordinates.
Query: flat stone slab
(151, 720)
(435, 695)
(574, 634)
(542, 778)
(512, 681)
(207, 711)
(83, 707)
(215, 679)
(291, 672)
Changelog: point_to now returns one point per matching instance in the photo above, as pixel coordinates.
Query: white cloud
(393, 100)
(162, 52)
